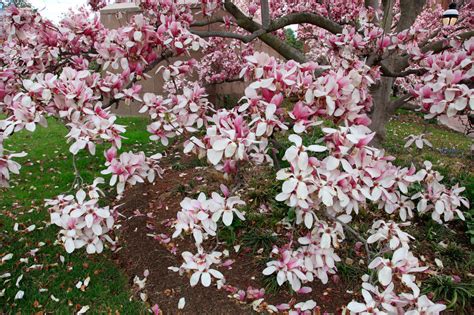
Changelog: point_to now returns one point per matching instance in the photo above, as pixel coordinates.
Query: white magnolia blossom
(389, 233)
(392, 298)
(418, 140)
(7, 165)
(200, 216)
(200, 266)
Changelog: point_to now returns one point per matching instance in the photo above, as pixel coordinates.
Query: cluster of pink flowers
(229, 139)
(71, 97)
(389, 234)
(202, 214)
(352, 175)
(223, 60)
(243, 134)
(178, 114)
(443, 89)
(316, 257)
(62, 71)
(341, 96)
(199, 265)
(81, 220)
(395, 275)
(444, 202)
(7, 165)
(200, 217)
(131, 168)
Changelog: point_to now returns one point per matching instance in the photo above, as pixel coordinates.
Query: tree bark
(409, 11)
(382, 109)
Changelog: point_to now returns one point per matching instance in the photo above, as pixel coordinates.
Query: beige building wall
(118, 14)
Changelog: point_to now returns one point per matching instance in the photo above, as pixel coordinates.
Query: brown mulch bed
(158, 203)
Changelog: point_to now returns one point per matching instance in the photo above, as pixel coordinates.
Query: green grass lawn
(451, 154)
(46, 172)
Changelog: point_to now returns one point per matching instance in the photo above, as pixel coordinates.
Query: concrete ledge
(120, 7)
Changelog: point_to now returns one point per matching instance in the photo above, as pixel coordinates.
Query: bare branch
(306, 18)
(285, 50)
(243, 38)
(386, 72)
(207, 22)
(401, 101)
(387, 15)
(409, 106)
(265, 12)
(355, 233)
(441, 45)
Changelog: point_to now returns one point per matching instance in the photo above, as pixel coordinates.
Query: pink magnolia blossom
(287, 268)
(130, 168)
(83, 223)
(7, 164)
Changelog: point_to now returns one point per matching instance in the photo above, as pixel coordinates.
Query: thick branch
(440, 45)
(265, 12)
(262, 32)
(386, 72)
(409, 11)
(243, 38)
(274, 42)
(401, 101)
(306, 18)
(387, 15)
(372, 3)
(207, 22)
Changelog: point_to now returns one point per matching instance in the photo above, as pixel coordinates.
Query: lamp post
(451, 15)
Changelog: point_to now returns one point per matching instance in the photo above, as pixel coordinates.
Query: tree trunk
(382, 109)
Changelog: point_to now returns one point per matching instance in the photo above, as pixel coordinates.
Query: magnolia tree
(76, 70)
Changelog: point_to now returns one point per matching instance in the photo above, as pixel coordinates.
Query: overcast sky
(54, 9)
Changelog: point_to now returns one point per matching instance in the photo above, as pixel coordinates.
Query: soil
(157, 204)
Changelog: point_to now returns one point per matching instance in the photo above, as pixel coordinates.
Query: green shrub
(457, 295)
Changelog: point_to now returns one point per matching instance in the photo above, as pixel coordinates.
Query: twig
(78, 180)
(217, 242)
(275, 159)
(356, 234)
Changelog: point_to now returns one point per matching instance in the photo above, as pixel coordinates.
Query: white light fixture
(450, 16)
